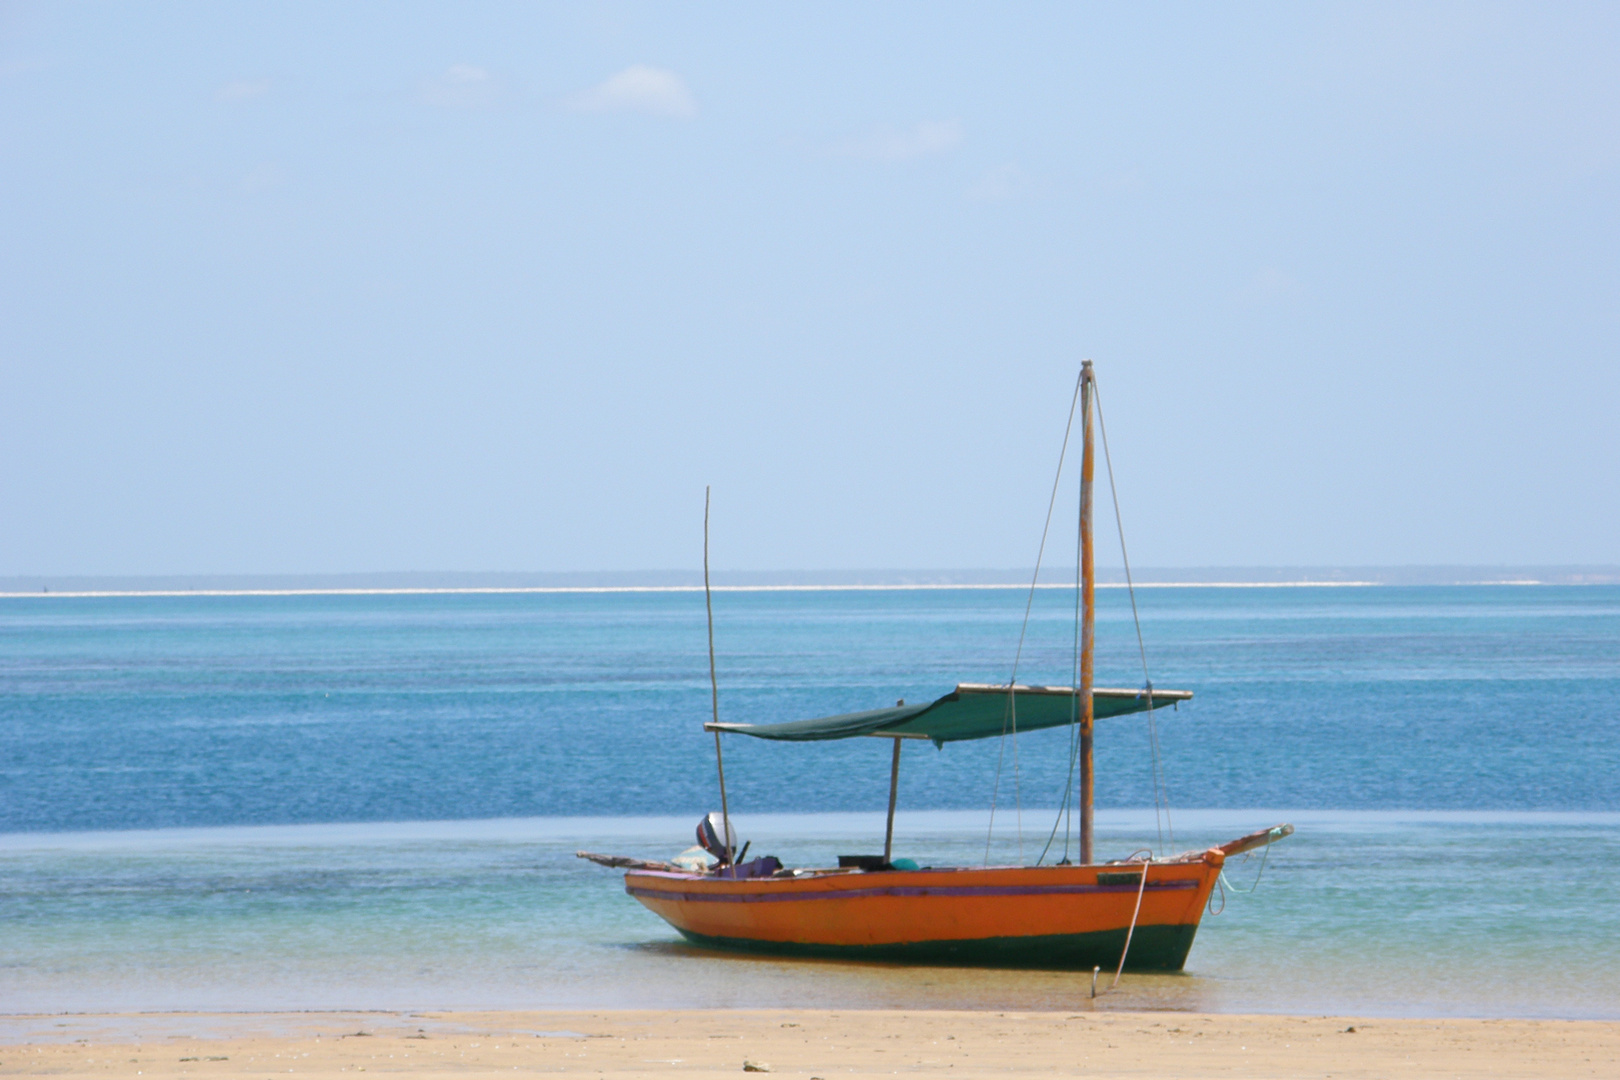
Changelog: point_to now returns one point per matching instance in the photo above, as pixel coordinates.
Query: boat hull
(1051, 917)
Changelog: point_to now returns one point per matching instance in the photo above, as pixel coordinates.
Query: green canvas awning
(971, 711)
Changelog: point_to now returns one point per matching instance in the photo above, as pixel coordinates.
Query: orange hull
(1036, 916)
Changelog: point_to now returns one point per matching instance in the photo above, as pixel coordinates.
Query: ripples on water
(183, 711)
(1359, 706)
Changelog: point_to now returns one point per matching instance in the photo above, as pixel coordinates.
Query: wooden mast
(1088, 604)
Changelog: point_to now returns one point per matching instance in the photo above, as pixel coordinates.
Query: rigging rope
(1159, 784)
(714, 682)
(1010, 719)
(1162, 820)
(1066, 807)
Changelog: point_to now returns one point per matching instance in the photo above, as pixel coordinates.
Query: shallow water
(1364, 913)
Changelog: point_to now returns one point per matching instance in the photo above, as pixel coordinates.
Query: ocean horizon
(23, 585)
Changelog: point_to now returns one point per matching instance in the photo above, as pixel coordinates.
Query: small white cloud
(242, 90)
(1003, 182)
(461, 86)
(639, 88)
(928, 137)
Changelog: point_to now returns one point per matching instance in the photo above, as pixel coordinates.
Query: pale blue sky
(471, 287)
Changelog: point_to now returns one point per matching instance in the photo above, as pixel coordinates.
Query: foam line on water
(930, 823)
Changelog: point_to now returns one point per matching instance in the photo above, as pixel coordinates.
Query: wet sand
(802, 1043)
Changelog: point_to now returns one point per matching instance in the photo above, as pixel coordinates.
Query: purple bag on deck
(764, 866)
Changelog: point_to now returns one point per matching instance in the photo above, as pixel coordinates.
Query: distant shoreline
(686, 581)
(496, 590)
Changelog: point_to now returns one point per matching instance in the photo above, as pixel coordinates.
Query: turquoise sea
(373, 801)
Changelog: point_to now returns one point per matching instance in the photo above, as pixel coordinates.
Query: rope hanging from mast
(1065, 816)
(1010, 722)
(1163, 822)
(1161, 788)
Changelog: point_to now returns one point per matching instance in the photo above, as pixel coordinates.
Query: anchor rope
(1010, 718)
(1126, 951)
(1264, 854)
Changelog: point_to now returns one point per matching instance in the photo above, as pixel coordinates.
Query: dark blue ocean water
(121, 713)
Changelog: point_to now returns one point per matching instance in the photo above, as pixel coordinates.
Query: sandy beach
(806, 1043)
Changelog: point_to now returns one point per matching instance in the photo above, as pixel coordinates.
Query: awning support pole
(894, 791)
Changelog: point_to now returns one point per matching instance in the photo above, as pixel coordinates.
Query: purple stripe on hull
(907, 890)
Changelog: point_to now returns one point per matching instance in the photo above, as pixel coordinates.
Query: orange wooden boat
(1064, 917)
(1141, 913)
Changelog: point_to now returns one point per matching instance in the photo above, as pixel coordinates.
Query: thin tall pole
(894, 790)
(1088, 614)
(714, 683)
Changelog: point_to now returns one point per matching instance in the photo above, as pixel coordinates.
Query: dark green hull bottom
(1153, 948)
